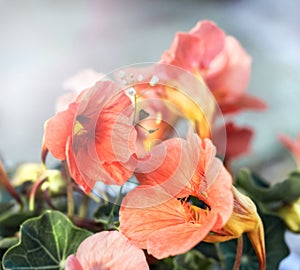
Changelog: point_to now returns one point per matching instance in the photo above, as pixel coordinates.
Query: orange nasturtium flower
(222, 62)
(167, 93)
(107, 250)
(95, 136)
(181, 201)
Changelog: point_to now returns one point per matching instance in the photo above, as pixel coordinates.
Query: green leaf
(5, 206)
(193, 260)
(46, 242)
(287, 191)
(276, 248)
(6, 243)
(10, 221)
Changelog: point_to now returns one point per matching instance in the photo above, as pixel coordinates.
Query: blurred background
(45, 42)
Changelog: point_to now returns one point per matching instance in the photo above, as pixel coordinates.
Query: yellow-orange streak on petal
(190, 110)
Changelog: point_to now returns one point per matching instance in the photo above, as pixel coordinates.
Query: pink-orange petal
(292, 145)
(57, 130)
(185, 52)
(78, 175)
(115, 138)
(147, 209)
(238, 141)
(233, 79)
(110, 250)
(72, 263)
(161, 164)
(244, 102)
(178, 239)
(212, 38)
(220, 197)
(172, 166)
(212, 176)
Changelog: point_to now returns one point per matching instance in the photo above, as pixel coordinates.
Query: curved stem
(48, 199)
(37, 184)
(88, 224)
(239, 253)
(4, 181)
(70, 198)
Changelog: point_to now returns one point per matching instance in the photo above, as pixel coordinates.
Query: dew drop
(131, 91)
(122, 74)
(158, 118)
(154, 80)
(140, 77)
(131, 76)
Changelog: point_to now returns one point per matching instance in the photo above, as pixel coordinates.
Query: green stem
(111, 214)
(70, 198)
(220, 255)
(239, 253)
(83, 207)
(134, 111)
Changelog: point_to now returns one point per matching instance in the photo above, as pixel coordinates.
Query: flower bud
(291, 216)
(244, 219)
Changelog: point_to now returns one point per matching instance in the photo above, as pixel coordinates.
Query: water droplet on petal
(122, 74)
(140, 77)
(131, 91)
(158, 118)
(154, 80)
(131, 75)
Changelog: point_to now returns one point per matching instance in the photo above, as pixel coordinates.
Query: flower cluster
(185, 194)
(152, 146)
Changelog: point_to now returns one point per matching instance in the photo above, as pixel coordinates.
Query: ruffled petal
(220, 197)
(211, 178)
(178, 239)
(110, 250)
(212, 38)
(77, 172)
(238, 141)
(72, 263)
(292, 145)
(196, 49)
(245, 102)
(234, 77)
(171, 165)
(185, 52)
(57, 130)
(147, 209)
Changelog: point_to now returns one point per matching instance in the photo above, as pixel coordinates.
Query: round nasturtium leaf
(287, 191)
(45, 243)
